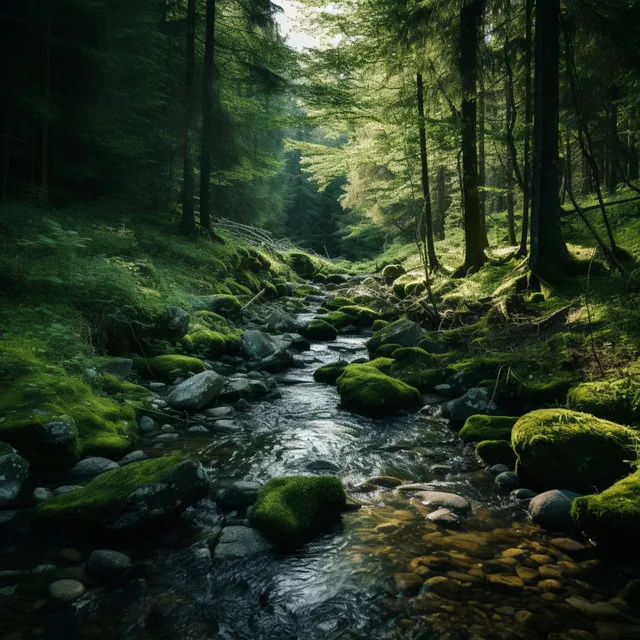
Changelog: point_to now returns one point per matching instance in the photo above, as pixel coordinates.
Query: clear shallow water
(339, 586)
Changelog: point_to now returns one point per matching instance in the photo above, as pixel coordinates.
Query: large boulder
(139, 495)
(257, 345)
(612, 518)
(329, 373)
(392, 272)
(562, 448)
(552, 509)
(417, 368)
(196, 392)
(14, 470)
(473, 402)
(284, 322)
(366, 390)
(92, 467)
(241, 542)
(405, 333)
(292, 510)
(302, 264)
(320, 330)
(493, 452)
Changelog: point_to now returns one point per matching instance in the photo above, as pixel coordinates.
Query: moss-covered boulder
(290, 511)
(392, 272)
(382, 364)
(387, 350)
(366, 390)
(330, 373)
(493, 452)
(617, 400)
(612, 518)
(403, 332)
(335, 304)
(478, 428)
(518, 396)
(558, 448)
(139, 495)
(302, 264)
(417, 368)
(169, 367)
(321, 331)
(53, 420)
(360, 316)
(307, 290)
(379, 324)
(211, 344)
(223, 304)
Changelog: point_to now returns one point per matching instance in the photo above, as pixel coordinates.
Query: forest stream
(496, 576)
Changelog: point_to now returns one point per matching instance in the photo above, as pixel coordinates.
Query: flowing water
(342, 586)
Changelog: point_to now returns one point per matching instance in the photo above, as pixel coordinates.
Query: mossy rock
(404, 332)
(211, 344)
(518, 396)
(379, 324)
(54, 420)
(290, 511)
(330, 373)
(138, 495)
(612, 518)
(360, 316)
(212, 321)
(418, 369)
(320, 330)
(414, 289)
(493, 452)
(237, 289)
(169, 367)
(335, 304)
(223, 304)
(339, 319)
(307, 290)
(392, 272)
(617, 400)
(122, 390)
(558, 448)
(302, 264)
(387, 350)
(366, 390)
(382, 364)
(478, 428)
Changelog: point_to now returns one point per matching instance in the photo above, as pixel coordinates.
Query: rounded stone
(146, 424)
(107, 564)
(40, 494)
(66, 591)
(92, 467)
(507, 480)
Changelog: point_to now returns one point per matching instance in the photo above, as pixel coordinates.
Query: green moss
(392, 272)
(418, 369)
(335, 304)
(235, 288)
(387, 350)
(478, 428)
(557, 448)
(359, 315)
(122, 390)
(363, 389)
(414, 289)
(211, 344)
(379, 324)
(320, 330)
(493, 452)
(169, 367)
(516, 395)
(292, 510)
(403, 332)
(382, 364)
(338, 319)
(330, 373)
(307, 290)
(101, 425)
(612, 518)
(617, 400)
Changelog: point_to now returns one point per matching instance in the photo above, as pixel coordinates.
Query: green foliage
(293, 510)
(479, 428)
(617, 400)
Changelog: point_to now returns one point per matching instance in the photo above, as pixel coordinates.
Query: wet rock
(440, 585)
(226, 425)
(14, 470)
(146, 424)
(219, 412)
(66, 591)
(528, 575)
(91, 467)
(571, 547)
(282, 321)
(9, 577)
(198, 429)
(40, 494)
(507, 480)
(552, 509)
(108, 565)
(134, 456)
(257, 345)
(241, 542)
(67, 488)
(445, 391)
(224, 305)
(549, 585)
(402, 332)
(177, 321)
(441, 499)
(388, 482)
(440, 469)
(631, 593)
(473, 402)
(497, 469)
(165, 438)
(156, 386)
(119, 367)
(463, 381)
(445, 517)
(196, 392)
(407, 584)
(322, 466)
(594, 609)
(523, 494)
(503, 582)
(238, 496)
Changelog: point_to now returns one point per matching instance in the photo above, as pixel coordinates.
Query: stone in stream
(226, 425)
(108, 565)
(66, 591)
(118, 367)
(407, 584)
(91, 467)
(146, 424)
(405, 333)
(257, 345)
(444, 517)
(219, 412)
(197, 429)
(284, 322)
(497, 469)
(523, 494)
(238, 496)
(134, 456)
(196, 392)
(322, 466)
(67, 488)
(40, 494)
(441, 499)
(552, 509)
(473, 402)
(241, 542)
(507, 480)
(14, 470)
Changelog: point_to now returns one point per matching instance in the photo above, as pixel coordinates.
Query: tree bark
(46, 96)
(482, 165)
(188, 214)
(206, 145)
(440, 214)
(470, 17)
(613, 143)
(585, 188)
(511, 221)
(548, 248)
(426, 222)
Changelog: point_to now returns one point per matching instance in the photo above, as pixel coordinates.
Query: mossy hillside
(168, 367)
(493, 452)
(479, 428)
(290, 511)
(100, 425)
(612, 518)
(563, 449)
(610, 399)
(330, 373)
(366, 390)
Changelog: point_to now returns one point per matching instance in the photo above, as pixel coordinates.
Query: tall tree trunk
(206, 144)
(613, 142)
(188, 214)
(511, 221)
(528, 120)
(482, 165)
(470, 17)
(585, 188)
(548, 248)
(634, 165)
(426, 223)
(46, 98)
(440, 214)
(568, 168)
